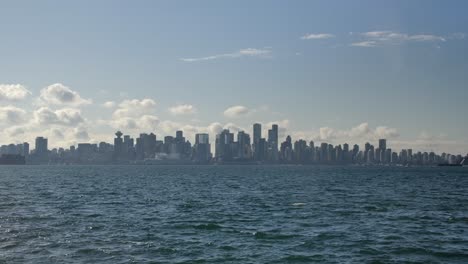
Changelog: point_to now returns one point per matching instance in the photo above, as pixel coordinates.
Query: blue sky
(330, 71)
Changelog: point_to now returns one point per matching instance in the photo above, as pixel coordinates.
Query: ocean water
(233, 214)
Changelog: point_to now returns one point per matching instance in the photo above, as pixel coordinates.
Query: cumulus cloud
(145, 122)
(14, 131)
(215, 128)
(134, 108)
(386, 132)
(358, 134)
(184, 109)
(109, 104)
(135, 114)
(13, 92)
(249, 52)
(429, 142)
(236, 111)
(12, 114)
(81, 133)
(56, 133)
(233, 127)
(66, 117)
(169, 127)
(317, 36)
(59, 94)
(283, 127)
(387, 37)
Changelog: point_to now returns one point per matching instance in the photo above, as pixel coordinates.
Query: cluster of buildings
(229, 149)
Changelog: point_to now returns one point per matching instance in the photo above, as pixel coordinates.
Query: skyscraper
(244, 150)
(324, 152)
(273, 143)
(257, 136)
(118, 145)
(41, 146)
(202, 138)
(202, 148)
(25, 149)
(224, 145)
(257, 132)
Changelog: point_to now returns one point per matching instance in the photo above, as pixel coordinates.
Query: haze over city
(78, 72)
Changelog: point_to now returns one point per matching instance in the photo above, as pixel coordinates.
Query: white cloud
(13, 92)
(12, 114)
(14, 131)
(215, 128)
(59, 94)
(362, 130)
(283, 127)
(366, 44)
(169, 127)
(317, 36)
(149, 122)
(327, 133)
(359, 134)
(134, 108)
(457, 35)
(81, 133)
(233, 127)
(387, 37)
(66, 117)
(109, 104)
(136, 115)
(428, 142)
(249, 52)
(145, 122)
(396, 36)
(184, 109)
(236, 111)
(386, 132)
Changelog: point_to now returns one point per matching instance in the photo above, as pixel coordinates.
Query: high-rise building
(202, 148)
(410, 155)
(257, 132)
(258, 149)
(118, 145)
(382, 144)
(355, 152)
(202, 138)
(41, 146)
(180, 135)
(244, 150)
(324, 152)
(224, 149)
(286, 150)
(300, 151)
(312, 151)
(273, 143)
(26, 149)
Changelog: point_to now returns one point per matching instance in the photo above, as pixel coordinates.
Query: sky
(328, 71)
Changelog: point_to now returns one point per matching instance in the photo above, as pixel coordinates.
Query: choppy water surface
(238, 214)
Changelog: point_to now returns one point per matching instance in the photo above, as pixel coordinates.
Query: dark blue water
(238, 214)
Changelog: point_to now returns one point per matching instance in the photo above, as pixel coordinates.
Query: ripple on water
(233, 214)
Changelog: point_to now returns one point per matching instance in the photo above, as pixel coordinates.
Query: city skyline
(322, 71)
(228, 148)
